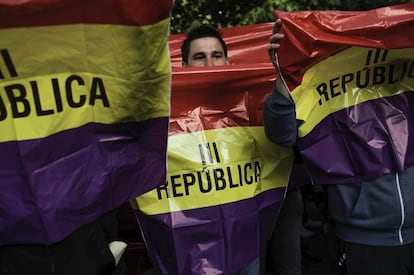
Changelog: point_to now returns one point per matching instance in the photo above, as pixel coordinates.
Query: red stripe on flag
(57, 12)
(218, 97)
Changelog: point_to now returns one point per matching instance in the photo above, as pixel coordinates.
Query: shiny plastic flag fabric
(225, 180)
(84, 106)
(352, 77)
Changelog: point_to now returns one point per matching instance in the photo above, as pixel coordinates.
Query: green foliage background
(230, 13)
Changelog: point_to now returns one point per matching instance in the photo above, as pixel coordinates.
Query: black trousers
(378, 260)
(285, 243)
(84, 252)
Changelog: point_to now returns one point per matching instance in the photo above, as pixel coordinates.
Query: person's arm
(279, 118)
(279, 113)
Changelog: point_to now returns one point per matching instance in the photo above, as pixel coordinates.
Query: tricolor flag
(225, 180)
(84, 106)
(352, 77)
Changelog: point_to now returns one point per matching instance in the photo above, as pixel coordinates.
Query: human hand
(274, 42)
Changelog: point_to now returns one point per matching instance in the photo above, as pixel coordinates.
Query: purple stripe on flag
(51, 186)
(364, 141)
(221, 238)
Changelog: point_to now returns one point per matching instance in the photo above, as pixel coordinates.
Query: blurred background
(231, 13)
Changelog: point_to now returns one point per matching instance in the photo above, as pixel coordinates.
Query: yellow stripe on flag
(69, 75)
(348, 78)
(221, 166)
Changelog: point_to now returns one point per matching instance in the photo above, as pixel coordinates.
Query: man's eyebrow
(220, 52)
(198, 53)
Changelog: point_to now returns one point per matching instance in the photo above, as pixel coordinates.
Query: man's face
(206, 51)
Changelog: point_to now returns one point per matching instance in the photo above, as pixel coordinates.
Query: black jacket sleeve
(279, 117)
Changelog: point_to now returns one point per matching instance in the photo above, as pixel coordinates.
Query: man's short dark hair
(200, 32)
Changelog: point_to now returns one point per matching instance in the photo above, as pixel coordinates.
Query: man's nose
(209, 62)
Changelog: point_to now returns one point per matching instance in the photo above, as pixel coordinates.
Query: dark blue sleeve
(279, 117)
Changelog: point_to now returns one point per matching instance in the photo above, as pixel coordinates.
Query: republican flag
(351, 75)
(84, 106)
(225, 180)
